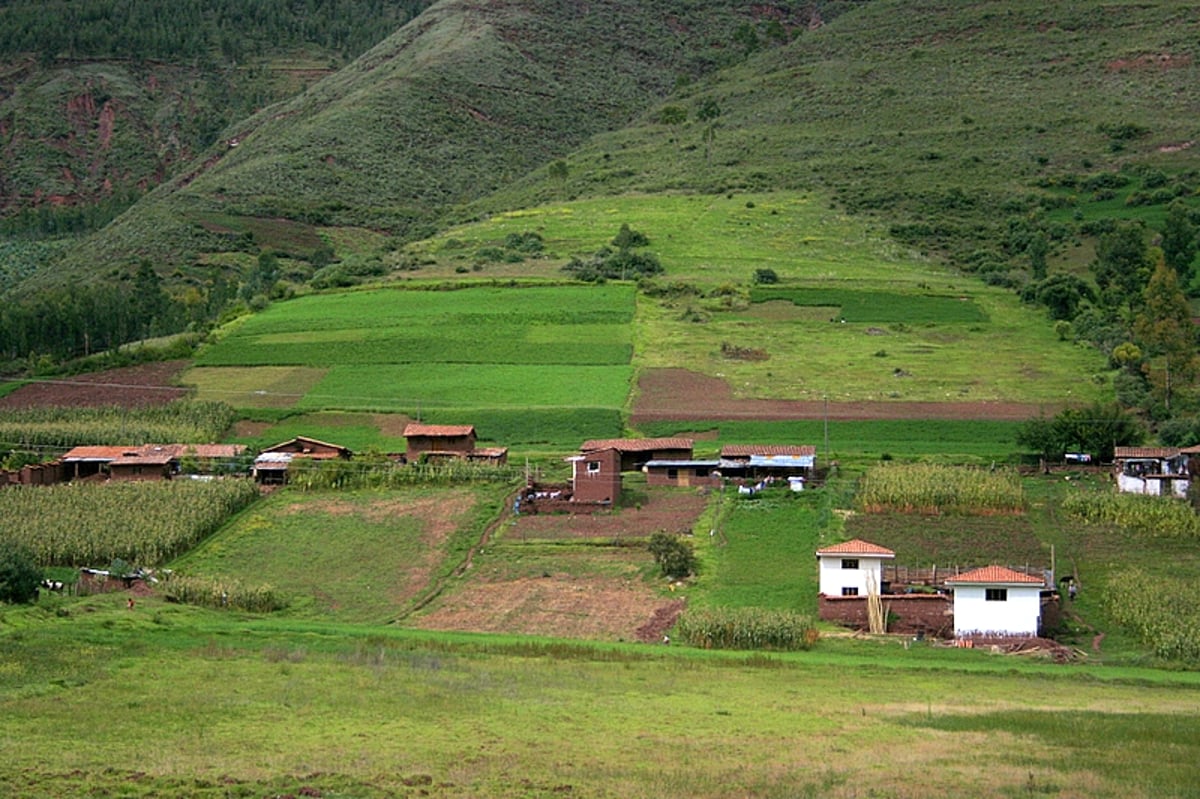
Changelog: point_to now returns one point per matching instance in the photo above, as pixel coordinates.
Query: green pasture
(708, 239)
(881, 307)
(776, 353)
(925, 439)
(369, 540)
(215, 706)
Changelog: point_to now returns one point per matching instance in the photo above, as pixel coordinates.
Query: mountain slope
(459, 102)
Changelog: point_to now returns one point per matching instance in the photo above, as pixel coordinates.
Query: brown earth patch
(672, 512)
(248, 429)
(128, 387)
(562, 606)
(680, 394)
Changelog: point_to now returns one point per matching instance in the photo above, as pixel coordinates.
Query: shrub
(19, 573)
(676, 558)
(765, 277)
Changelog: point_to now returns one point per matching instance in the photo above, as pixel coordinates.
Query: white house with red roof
(995, 600)
(851, 567)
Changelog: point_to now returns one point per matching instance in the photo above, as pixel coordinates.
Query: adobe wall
(928, 614)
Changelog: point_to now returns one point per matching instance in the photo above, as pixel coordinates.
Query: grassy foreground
(164, 700)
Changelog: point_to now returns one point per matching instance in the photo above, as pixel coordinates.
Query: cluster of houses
(992, 601)
(596, 470)
(1156, 471)
(424, 444)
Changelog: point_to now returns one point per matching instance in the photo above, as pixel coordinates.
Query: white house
(848, 569)
(998, 601)
(1157, 471)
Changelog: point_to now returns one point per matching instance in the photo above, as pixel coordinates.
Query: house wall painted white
(1018, 614)
(1131, 484)
(834, 576)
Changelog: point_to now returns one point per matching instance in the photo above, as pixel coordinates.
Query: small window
(593, 467)
(995, 594)
(701, 473)
(849, 563)
(672, 474)
(849, 591)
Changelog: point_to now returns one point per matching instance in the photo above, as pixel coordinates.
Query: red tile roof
(857, 546)
(636, 444)
(417, 429)
(995, 574)
(1121, 453)
(798, 450)
(155, 451)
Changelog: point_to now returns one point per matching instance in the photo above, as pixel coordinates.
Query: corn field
(746, 628)
(213, 592)
(1158, 611)
(1155, 517)
(181, 422)
(142, 523)
(309, 475)
(933, 488)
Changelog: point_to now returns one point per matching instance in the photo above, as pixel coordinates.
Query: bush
(19, 574)
(765, 277)
(676, 558)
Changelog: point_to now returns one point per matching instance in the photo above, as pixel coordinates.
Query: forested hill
(101, 99)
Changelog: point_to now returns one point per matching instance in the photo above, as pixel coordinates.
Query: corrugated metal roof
(856, 546)
(795, 461)
(417, 429)
(742, 450)
(994, 574)
(636, 444)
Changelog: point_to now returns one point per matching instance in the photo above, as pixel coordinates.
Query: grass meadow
(193, 703)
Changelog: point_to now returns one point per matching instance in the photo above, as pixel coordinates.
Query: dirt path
(673, 394)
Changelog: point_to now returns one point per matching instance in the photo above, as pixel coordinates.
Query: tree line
(187, 29)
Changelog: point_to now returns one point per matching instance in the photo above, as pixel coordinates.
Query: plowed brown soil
(129, 387)
(671, 394)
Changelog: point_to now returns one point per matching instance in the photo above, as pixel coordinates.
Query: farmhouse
(1157, 471)
(683, 473)
(271, 465)
(147, 462)
(756, 461)
(637, 452)
(852, 568)
(996, 600)
(456, 442)
(595, 485)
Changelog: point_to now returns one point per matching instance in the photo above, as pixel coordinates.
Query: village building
(852, 568)
(684, 473)
(1155, 471)
(595, 485)
(427, 442)
(996, 601)
(149, 461)
(635, 453)
(758, 461)
(271, 465)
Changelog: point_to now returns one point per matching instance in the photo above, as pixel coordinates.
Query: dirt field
(524, 582)
(673, 512)
(129, 387)
(669, 394)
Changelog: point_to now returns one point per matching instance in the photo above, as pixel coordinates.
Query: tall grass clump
(213, 592)
(142, 523)
(308, 475)
(1157, 611)
(182, 422)
(933, 488)
(747, 628)
(1155, 517)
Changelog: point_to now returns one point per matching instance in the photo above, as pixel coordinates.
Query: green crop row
(1143, 515)
(142, 523)
(222, 593)
(746, 628)
(933, 488)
